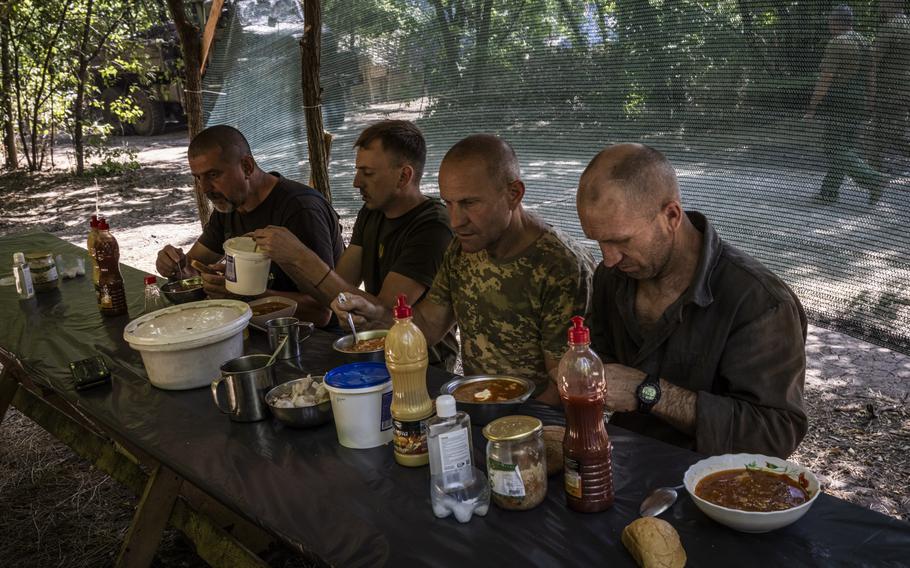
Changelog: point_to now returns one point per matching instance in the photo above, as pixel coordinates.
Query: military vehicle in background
(141, 90)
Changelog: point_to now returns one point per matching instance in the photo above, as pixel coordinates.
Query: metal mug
(293, 329)
(246, 380)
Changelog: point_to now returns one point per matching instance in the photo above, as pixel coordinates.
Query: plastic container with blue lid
(361, 395)
(357, 376)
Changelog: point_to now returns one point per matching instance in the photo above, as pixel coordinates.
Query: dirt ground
(56, 510)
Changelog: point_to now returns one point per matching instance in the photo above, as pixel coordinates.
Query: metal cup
(295, 330)
(246, 380)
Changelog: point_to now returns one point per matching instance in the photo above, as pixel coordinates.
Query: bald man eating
(510, 281)
(704, 346)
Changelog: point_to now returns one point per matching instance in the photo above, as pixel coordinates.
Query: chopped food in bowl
(751, 492)
(301, 403)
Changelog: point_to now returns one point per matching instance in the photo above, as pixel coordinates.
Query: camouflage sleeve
(441, 291)
(566, 294)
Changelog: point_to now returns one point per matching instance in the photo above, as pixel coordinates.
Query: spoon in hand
(342, 300)
(658, 501)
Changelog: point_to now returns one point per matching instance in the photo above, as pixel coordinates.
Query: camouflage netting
(720, 87)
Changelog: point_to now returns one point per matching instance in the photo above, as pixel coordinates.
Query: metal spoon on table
(342, 300)
(659, 501)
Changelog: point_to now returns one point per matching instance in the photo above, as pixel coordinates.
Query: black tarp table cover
(358, 507)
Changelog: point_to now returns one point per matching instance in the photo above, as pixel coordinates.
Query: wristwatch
(648, 393)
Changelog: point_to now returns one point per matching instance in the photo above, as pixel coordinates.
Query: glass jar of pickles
(44, 270)
(516, 462)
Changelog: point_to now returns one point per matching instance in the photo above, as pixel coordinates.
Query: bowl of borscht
(751, 493)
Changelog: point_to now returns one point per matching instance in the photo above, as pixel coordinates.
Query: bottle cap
(102, 225)
(19, 258)
(149, 279)
(578, 333)
(402, 310)
(445, 406)
(94, 222)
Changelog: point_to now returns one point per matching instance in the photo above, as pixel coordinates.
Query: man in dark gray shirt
(704, 346)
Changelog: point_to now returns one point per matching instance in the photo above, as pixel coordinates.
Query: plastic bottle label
(505, 479)
(455, 451)
(385, 416)
(573, 478)
(24, 281)
(410, 437)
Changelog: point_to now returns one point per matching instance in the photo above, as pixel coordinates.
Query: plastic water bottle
(23, 275)
(456, 486)
(153, 299)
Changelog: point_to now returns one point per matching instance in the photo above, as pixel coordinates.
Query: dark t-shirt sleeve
(357, 234)
(601, 340)
(212, 236)
(422, 254)
(313, 230)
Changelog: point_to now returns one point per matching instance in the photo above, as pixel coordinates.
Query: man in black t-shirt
(399, 237)
(246, 198)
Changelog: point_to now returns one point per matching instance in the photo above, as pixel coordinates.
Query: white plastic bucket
(363, 417)
(246, 271)
(183, 346)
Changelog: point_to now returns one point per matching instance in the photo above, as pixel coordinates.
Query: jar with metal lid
(44, 270)
(516, 462)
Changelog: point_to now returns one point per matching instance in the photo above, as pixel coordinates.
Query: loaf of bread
(654, 543)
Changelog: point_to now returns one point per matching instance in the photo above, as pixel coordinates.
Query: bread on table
(654, 543)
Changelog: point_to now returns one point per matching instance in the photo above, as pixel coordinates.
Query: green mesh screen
(721, 87)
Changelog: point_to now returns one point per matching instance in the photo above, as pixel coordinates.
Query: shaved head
(495, 153)
(229, 140)
(640, 175)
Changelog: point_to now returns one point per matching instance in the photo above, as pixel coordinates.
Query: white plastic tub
(246, 271)
(361, 395)
(184, 346)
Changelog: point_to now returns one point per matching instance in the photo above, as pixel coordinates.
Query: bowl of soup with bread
(751, 492)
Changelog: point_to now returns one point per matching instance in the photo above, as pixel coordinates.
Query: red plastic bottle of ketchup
(586, 447)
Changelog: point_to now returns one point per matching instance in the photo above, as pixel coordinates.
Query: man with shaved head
(704, 346)
(247, 198)
(510, 281)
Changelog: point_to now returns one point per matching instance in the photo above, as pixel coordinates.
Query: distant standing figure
(890, 89)
(839, 100)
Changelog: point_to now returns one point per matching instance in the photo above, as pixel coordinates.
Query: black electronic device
(91, 372)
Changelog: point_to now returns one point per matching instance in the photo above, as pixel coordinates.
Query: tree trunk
(191, 45)
(81, 78)
(312, 96)
(6, 89)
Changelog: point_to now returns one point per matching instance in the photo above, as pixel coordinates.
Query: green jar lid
(511, 428)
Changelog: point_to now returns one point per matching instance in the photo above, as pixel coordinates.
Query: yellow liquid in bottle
(406, 359)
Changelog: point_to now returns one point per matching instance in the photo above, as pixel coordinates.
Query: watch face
(648, 393)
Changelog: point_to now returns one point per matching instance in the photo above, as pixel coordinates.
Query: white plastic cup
(246, 271)
(362, 415)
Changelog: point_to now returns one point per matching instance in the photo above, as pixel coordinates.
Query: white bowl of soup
(488, 397)
(751, 493)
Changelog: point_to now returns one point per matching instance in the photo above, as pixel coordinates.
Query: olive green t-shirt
(513, 313)
(846, 58)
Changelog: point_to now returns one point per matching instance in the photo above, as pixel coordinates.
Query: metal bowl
(482, 413)
(343, 345)
(173, 291)
(302, 416)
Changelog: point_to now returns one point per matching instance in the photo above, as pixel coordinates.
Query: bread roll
(654, 543)
(552, 440)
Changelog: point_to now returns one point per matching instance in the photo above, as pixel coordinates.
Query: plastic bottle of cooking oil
(406, 359)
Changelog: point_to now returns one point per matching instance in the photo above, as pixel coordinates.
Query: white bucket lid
(243, 247)
(189, 325)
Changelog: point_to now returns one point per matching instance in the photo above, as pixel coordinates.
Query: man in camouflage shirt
(890, 89)
(839, 101)
(510, 281)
